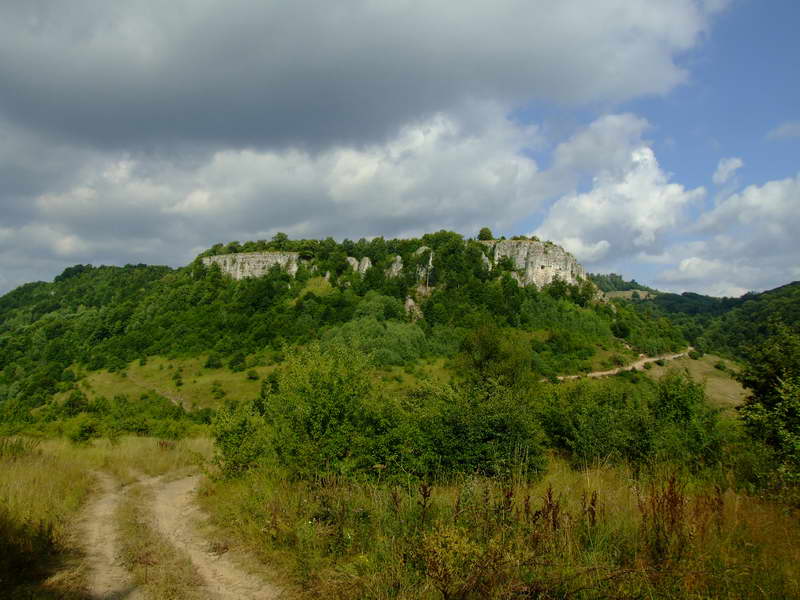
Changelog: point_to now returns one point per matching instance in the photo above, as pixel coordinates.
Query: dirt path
(634, 365)
(107, 579)
(176, 515)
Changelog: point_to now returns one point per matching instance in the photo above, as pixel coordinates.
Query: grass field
(722, 390)
(590, 533)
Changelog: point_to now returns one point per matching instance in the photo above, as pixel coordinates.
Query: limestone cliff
(359, 266)
(537, 263)
(254, 264)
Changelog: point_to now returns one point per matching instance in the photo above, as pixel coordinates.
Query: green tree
(485, 234)
(772, 410)
(320, 414)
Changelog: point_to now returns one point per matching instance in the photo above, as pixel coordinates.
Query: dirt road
(634, 365)
(108, 579)
(176, 518)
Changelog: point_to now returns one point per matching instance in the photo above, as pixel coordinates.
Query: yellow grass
(722, 390)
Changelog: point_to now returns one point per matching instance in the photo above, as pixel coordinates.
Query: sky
(658, 139)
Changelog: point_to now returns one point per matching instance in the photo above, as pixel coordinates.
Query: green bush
(82, 428)
(240, 437)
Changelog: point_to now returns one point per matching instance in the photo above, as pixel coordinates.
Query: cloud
(751, 242)
(789, 129)
(726, 168)
(320, 74)
(436, 173)
(626, 213)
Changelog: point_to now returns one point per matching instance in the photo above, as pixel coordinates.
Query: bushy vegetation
(727, 326)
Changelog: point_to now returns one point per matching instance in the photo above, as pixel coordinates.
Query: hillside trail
(638, 364)
(107, 578)
(176, 517)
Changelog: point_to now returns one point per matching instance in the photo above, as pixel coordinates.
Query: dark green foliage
(772, 410)
(485, 234)
(213, 362)
(639, 422)
(727, 325)
(106, 317)
(615, 283)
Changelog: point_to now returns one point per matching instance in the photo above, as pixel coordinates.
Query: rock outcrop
(396, 268)
(424, 269)
(537, 263)
(360, 266)
(254, 264)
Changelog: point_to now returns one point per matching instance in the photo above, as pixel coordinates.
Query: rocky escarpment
(254, 264)
(359, 266)
(536, 263)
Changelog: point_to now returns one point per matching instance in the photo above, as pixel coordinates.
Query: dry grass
(591, 533)
(722, 390)
(41, 493)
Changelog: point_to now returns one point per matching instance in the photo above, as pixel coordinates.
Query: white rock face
(412, 309)
(359, 266)
(424, 270)
(254, 264)
(396, 268)
(537, 263)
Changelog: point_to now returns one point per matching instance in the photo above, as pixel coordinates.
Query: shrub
(240, 438)
(213, 362)
(82, 428)
(321, 416)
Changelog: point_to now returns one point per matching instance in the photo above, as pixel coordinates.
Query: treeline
(321, 415)
(728, 326)
(613, 282)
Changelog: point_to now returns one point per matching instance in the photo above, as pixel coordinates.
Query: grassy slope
(343, 539)
(722, 390)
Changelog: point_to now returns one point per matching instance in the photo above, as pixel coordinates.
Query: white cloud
(434, 174)
(789, 129)
(625, 213)
(751, 242)
(726, 168)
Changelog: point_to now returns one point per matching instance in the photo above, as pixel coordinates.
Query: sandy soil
(176, 516)
(107, 578)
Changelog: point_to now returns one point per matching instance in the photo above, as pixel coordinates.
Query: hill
(418, 301)
(727, 325)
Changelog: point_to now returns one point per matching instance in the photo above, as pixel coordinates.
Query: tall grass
(587, 533)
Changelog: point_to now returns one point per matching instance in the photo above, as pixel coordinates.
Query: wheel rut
(176, 517)
(107, 578)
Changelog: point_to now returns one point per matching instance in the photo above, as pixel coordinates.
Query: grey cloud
(315, 74)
